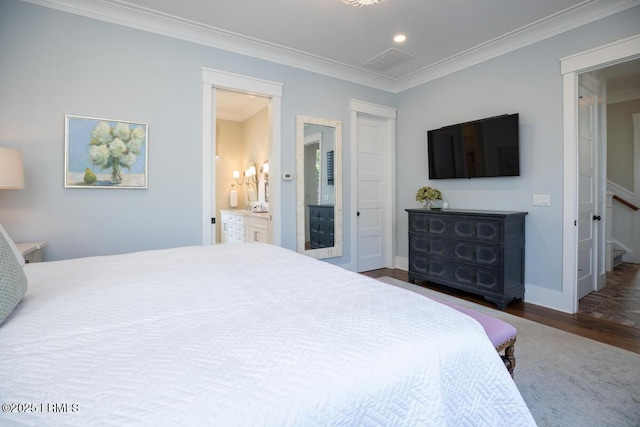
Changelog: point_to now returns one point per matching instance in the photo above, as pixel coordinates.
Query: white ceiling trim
(582, 14)
(179, 28)
(183, 29)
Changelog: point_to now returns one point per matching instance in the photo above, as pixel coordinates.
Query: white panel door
(371, 191)
(587, 188)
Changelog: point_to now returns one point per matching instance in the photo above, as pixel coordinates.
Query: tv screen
(482, 148)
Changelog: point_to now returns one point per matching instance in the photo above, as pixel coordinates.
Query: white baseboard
(402, 263)
(546, 298)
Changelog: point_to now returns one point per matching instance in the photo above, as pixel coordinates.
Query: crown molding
(144, 19)
(569, 19)
(152, 21)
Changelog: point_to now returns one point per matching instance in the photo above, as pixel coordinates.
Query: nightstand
(31, 252)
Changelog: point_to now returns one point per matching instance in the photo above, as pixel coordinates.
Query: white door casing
(588, 238)
(216, 79)
(388, 114)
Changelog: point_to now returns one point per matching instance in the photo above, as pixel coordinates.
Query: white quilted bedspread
(242, 335)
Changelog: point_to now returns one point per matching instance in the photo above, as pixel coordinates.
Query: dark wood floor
(611, 333)
(619, 300)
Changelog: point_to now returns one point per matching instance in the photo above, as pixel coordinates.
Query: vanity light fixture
(236, 175)
(361, 3)
(248, 178)
(251, 175)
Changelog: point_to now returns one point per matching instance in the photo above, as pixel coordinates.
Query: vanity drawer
(232, 227)
(235, 237)
(232, 218)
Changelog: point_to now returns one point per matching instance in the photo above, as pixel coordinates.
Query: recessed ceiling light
(399, 38)
(362, 2)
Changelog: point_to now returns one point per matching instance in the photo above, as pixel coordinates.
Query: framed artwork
(105, 153)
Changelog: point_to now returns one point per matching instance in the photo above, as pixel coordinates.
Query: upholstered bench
(501, 334)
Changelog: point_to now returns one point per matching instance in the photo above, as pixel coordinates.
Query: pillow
(13, 246)
(13, 281)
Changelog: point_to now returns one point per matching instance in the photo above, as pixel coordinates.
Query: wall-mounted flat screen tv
(482, 148)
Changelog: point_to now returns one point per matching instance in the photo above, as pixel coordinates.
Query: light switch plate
(541, 200)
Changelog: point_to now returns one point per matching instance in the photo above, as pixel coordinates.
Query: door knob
(597, 217)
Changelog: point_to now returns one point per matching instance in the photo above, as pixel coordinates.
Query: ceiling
(332, 38)
(238, 106)
(623, 81)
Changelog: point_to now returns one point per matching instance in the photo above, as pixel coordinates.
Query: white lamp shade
(236, 174)
(11, 169)
(252, 171)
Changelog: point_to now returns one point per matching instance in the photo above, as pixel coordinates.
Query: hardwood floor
(608, 332)
(619, 300)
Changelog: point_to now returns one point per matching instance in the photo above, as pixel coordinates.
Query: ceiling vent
(388, 59)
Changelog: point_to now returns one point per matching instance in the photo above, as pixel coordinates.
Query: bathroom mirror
(319, 186)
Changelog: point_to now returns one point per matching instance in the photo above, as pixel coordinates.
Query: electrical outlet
(541, 200)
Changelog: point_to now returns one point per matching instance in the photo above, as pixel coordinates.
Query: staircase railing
(624, 202)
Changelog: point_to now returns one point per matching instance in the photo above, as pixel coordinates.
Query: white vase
(434, 204)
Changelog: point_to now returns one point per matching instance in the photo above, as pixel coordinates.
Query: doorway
(613, 299)
(242, 135)
(571, 68)
(212, 82)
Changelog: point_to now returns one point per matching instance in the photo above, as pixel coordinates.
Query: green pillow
(13, 281)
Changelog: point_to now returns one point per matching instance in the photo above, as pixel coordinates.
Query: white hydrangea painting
(104, 153)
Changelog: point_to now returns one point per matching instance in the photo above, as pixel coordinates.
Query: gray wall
(53, 63)
(528, 82)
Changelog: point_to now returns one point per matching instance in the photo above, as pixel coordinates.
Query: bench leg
(509, 359)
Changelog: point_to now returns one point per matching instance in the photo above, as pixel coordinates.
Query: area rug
(566, 380)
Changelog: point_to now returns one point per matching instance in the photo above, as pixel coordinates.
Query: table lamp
(11, 169)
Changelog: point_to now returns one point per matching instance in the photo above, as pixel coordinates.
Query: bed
(241, 335)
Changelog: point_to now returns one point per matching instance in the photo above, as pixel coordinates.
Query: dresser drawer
(482, 230)
(461, 276)
(321, 212)
(321, 240)
(456, 250)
